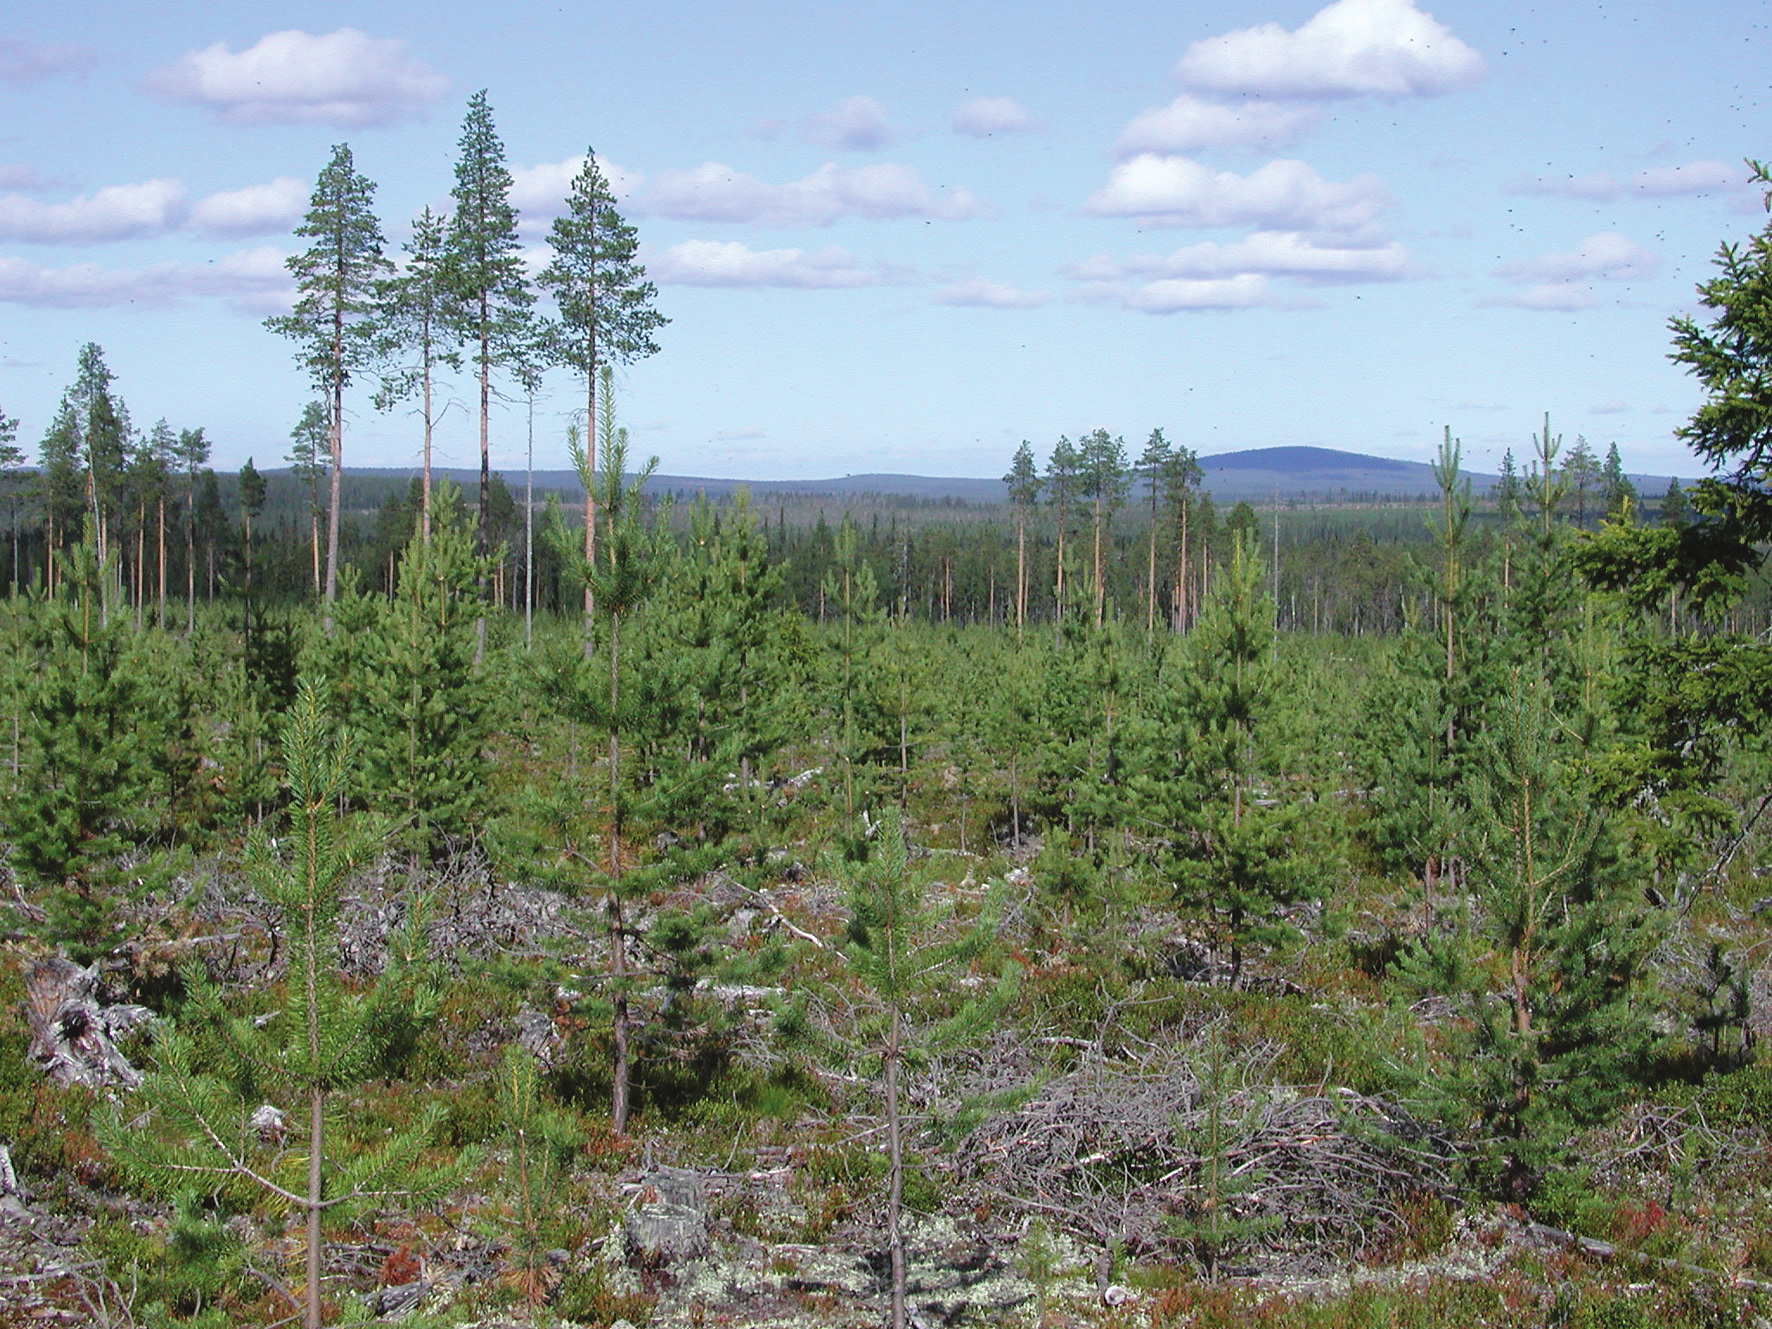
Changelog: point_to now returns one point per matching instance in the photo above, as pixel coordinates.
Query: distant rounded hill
(1305, 472)
(1259, 473)
(1256, 475)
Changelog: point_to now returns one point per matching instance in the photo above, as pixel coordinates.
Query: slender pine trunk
(590, 498)
(336, 442)
(425, 484)
(895, 1171)
(618, 953)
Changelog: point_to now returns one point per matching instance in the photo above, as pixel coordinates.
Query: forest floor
(746, 1195)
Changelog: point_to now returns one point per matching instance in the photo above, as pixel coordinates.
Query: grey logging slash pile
(1113, 1150)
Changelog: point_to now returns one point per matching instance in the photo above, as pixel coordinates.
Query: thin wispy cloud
(1563, 282)
(1267, 253)
(21, 176)
(346, 79)
(857, 125)
(716, 192)
(1687, 179)
(1352, 48)
(1177, 295)
(984, 117)
(253, 282)
(1609, 256)
(24, 62)
(983, 293)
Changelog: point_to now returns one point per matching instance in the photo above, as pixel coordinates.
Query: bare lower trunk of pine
(1150, 584)
(895, 1175)
(316, 1138)
(620, 1071)
(1021, 575)
(1058, 595)
(160, 617)
(1100, 587)
(618, 949)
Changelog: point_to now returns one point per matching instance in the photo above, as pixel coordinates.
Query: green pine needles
(199, 1123)
(902, 955)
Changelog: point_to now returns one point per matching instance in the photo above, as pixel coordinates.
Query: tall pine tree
(335, 321)
(484, 267)
(605, 303)
(419, 324)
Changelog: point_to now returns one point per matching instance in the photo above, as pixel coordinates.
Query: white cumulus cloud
(1280, 195)
(716, 192)
(253, 282)
(983, 293)
(116, 212)
(254, 210)
(984, 116)
(539, 191)
(857, 125)
(1352, 48)
(346, 78)
(732, 264)
(1175, 295)
(1192, 124)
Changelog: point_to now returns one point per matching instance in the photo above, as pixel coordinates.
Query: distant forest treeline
(1352, 565)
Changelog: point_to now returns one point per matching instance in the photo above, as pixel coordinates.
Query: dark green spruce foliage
(1729, 355)
(324, 1040)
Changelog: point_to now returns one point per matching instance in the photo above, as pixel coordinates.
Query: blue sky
(906, 237)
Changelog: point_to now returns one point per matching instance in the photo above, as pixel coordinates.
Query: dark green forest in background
(1201, 893)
